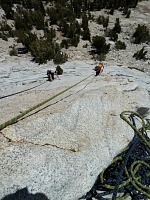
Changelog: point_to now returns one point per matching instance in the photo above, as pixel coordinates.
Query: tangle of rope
(13, 120)
(129, 173)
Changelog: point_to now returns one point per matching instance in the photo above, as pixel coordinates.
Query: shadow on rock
(23, 194)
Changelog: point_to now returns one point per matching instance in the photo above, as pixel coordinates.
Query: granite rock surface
(59, 149)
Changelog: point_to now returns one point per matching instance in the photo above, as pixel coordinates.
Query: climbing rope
(129, 173)
(9, 95)
(13, 120)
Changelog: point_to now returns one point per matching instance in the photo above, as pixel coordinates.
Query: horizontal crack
(22, 141)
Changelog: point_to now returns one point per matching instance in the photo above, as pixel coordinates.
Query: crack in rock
(22, 141)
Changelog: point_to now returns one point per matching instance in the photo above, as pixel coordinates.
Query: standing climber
(99, 69)
(51, 73)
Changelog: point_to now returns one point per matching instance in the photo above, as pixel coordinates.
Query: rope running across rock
(9, 95)
(14, 120)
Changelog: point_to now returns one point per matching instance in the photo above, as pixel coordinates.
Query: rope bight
(129, 173)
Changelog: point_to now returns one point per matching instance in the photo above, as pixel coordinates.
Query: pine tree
(117, 27)
(141, 34)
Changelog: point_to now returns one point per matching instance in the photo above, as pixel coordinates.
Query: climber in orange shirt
(99, 69)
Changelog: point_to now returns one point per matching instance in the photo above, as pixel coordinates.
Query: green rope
(13, 120)
(134, 170)
(139, 131)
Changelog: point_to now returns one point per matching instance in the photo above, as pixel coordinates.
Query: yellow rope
(131, 177)
(13, 120)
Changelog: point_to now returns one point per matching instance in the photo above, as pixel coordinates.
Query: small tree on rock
(120, 45)
(99, 43)
(140, 54)
(141, 34)
(117, 27)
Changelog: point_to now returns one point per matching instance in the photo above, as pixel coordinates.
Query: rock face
(59, 151)
(139, 15)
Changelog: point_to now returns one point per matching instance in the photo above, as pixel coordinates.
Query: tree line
(28, 15)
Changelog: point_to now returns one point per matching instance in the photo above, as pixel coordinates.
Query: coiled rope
(129, 173)
(13, 120)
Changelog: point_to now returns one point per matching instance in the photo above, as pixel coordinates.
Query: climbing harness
(13, 120)
(129, 173)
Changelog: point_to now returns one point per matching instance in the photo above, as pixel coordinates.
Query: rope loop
(128, 175)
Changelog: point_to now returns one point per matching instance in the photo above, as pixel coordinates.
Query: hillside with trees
(36, 24)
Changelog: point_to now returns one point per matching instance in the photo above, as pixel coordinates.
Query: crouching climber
(51, 73)
(99, 69)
